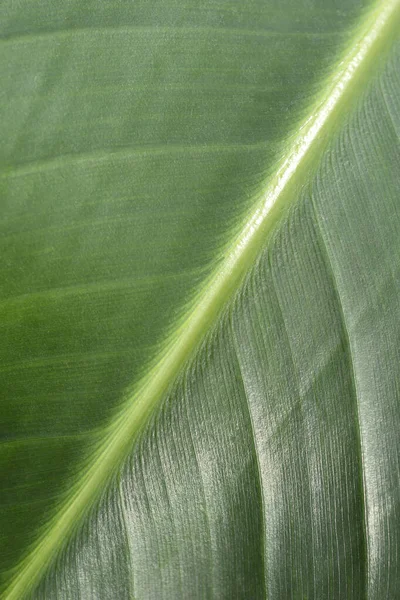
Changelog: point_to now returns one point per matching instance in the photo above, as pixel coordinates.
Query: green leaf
(200, 315)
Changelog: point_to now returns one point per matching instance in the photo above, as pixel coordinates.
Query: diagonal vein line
(389, 112)
(107, 155)
(17, 38)
(201, 477)
(124, 519)
(256, 456)
(356, 394)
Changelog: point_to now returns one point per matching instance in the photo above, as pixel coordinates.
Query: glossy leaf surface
(200, 316)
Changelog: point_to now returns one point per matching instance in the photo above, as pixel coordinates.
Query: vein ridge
(256, 455)
(356, 395)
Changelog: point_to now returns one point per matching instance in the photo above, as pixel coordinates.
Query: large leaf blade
(225, 582)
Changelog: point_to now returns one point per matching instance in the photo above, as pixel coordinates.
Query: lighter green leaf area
(223, 384)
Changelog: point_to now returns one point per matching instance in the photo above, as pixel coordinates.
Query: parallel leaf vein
(356, 394)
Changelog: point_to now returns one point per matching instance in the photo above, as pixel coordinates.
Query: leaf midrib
(139, 405)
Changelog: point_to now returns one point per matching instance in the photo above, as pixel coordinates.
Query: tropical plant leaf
(200, 316)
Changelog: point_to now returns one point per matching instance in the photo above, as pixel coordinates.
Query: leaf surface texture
(175, 422)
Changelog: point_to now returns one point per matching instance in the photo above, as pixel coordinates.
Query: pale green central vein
(377, 29)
